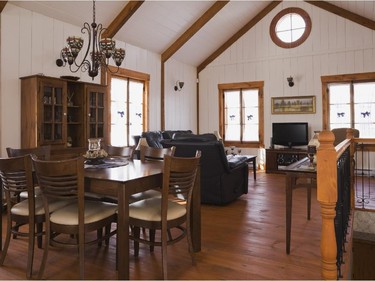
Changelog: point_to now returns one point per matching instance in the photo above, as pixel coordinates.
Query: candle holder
(311, 151)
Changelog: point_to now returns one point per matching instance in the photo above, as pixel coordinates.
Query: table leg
(308, 202)
(288, 194)
(123, 234)
(255, 168)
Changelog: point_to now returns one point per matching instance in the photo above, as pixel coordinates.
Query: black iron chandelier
(99, 50)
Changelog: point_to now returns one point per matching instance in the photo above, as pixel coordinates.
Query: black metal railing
(342, 207)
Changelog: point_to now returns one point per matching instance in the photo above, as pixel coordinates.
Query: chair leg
(7, 240)
(152, 238)
(45, 251)
(107, 232)
(136, 234)
(39, 230)
(99, 234)
(30, 258)
(164, 253)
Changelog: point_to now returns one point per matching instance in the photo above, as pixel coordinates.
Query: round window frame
(305, 16)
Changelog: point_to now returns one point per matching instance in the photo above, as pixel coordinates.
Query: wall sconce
(290, 81)
(178, 85)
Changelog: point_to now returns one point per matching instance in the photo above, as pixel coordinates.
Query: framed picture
(293, 105)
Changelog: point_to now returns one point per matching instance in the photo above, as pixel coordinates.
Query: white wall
(31, 43)
(335, 46)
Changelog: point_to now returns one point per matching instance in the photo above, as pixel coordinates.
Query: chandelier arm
(98, 50)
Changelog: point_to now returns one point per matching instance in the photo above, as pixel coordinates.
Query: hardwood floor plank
(242, 240)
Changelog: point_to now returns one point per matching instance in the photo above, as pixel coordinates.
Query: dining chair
(16, 176)
(120, 151)
(43, 152)
(171, 210)
(64, 180)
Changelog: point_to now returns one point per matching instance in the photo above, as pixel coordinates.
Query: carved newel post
(327, 197)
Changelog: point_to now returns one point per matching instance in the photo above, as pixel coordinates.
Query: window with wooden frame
(128, 98)
(241, 114)
(290, 27)
(349, 102)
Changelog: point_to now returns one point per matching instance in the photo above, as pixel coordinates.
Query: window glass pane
(250, 132)
(284, 23)
(232, 132)
(285, 36)
(297, 34)
(118, 89)
(339, 114)
(118, 135)
(339, 94)
(297, 22)
(118, 112)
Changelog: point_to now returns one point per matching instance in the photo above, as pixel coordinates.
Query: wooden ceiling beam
(122, 18)
(2, 5)
(238, 34)
(209, 14)
(344, 13)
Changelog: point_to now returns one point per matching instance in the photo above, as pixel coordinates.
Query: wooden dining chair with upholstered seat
(120, 151)
(17, 176)
(171, 210)
(64, 180)
(43, 152)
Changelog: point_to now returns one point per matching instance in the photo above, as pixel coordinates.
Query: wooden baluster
(327, 197)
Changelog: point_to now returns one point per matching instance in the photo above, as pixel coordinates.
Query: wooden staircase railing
(327, 195)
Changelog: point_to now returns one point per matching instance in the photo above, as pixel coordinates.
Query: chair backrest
(120, 151)
(340, 134)
(154, 153)
(16, 177)
(179, 177)
(43, 152)
(61, 179)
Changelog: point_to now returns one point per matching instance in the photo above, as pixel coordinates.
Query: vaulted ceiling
(194, 32)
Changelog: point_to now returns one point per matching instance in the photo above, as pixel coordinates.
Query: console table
(298, 170)
(278, 159)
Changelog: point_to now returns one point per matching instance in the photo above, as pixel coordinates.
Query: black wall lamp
(178, 85)
(290, 81)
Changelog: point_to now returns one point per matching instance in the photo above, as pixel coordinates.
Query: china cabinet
(62, 113)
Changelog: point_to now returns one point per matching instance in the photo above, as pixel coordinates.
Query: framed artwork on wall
(293, 105)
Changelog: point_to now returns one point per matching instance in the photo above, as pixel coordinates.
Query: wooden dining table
(134, 177)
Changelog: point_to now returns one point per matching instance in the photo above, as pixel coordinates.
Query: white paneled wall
(180, 106)
(31, 43)
(335, 46)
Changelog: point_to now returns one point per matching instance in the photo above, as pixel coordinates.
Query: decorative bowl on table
(95, 157)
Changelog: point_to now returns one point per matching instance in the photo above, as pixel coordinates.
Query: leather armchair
(221, 181)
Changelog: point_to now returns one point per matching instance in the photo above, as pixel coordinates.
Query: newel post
(327, 197)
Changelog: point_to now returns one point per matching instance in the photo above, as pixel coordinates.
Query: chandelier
(99, 50)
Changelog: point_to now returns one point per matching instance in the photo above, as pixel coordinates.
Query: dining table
(133, 177)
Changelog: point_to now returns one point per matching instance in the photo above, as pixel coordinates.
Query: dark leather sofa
(221, 181)
(155, 138)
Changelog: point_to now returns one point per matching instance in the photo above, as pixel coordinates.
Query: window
(350, 103)
(241, 114)
(128, 106)
(290, 28)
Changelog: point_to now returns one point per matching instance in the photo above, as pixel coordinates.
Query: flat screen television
(290, 134)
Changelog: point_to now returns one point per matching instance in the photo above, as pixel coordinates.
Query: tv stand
(277, 159)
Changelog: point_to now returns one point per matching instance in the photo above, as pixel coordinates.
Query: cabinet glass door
(52, 114)
(96, 114)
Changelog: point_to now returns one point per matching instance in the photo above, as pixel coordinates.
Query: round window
(290, 28)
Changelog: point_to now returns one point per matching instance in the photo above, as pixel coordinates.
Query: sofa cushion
(194, 138)
(170, 134)
(235, 160)
(153, 138)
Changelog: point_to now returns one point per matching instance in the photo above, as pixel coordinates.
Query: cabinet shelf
(276, 159)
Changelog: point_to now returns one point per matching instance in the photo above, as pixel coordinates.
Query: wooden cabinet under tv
(62, 113)
(276, 159)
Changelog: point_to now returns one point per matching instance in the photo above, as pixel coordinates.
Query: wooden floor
(243, 240)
